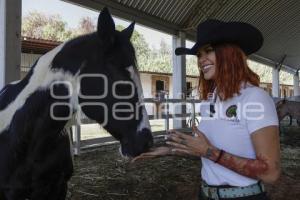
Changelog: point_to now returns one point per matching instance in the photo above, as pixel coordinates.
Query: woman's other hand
(183, 144)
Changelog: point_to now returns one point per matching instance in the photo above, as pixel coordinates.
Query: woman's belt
(216, 192)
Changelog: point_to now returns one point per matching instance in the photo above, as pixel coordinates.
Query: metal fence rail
(79, 144)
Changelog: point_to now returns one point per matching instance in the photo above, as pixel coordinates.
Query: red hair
(231, 72)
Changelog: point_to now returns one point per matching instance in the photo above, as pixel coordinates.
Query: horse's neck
(56, 77)
(42, 78)
(294, 109)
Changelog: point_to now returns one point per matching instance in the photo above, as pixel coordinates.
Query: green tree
(142, 49)
(86, 25)
(192, 66)
(265, 73)
(160, 59)
(51, 27)
(165, 48)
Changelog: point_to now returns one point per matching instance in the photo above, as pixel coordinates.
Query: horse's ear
(127, 32)
(106, 25)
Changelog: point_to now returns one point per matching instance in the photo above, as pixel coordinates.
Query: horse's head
(282, 109)
(110, 89)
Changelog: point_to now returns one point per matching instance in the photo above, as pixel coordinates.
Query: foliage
(86, 25)
(160, 61)
(192, 66)
(265, 73)
(39, 25)
(141, 47)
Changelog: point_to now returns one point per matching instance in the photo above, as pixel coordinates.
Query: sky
(71, 14)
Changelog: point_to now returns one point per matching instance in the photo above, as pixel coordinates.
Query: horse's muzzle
(140, 143)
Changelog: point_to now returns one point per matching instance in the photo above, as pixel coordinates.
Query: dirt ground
(102, 174)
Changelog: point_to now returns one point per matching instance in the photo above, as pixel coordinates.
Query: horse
(289, 108)
(95, 74)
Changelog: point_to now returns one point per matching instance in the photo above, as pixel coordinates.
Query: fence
(79, 144)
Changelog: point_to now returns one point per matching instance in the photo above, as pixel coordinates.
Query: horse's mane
(74, 45)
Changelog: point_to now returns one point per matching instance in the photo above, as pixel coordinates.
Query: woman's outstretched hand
(153, 153)
(180, 144)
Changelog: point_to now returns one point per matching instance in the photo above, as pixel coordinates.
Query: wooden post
(10, 41)
(296, 84)
(179, 79)
(275, 82)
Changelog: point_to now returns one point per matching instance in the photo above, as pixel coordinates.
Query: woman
(237, 138)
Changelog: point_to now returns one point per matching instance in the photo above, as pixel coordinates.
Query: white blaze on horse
(95, 72)
(287, 107)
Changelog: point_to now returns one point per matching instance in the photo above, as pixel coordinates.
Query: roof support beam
(271, 63)
(296, 84)
(10, 41)
(279, 66)
(179, 78)
(275, 82)
(2, 43)
(275, 78)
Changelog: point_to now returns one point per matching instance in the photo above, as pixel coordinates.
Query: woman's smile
(206, 68)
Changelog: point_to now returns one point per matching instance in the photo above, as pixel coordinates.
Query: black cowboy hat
(212, 32)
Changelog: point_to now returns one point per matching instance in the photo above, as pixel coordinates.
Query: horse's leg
(52, 188)
(296, 116)
(18, 187)
(52, 185)
(2, 195)
(54, 169)
(280, 131)
(14, 194)
(291, 120)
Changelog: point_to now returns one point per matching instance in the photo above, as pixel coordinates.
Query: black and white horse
(94, 72)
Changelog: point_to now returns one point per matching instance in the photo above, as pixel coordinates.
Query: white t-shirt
(230, 128)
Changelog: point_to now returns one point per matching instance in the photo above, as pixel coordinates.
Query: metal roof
(279, 21)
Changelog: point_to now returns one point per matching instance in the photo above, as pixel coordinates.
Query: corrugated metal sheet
(279, 20)
(174, 11)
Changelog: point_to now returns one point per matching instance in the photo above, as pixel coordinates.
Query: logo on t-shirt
(231, 111)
